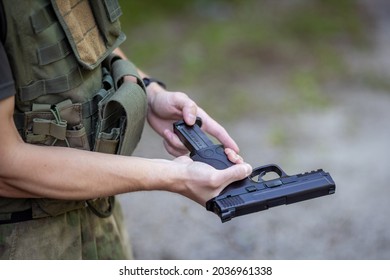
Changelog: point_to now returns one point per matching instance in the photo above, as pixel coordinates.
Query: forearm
(64, 173)
(58, 172)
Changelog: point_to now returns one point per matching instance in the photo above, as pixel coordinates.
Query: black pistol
(251, 194)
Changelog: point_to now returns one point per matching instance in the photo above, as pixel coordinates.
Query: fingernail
(191, 118)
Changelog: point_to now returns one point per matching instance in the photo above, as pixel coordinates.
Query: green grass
(216, 44)
(203, 37)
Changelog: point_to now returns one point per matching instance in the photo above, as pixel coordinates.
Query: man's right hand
(202, 182)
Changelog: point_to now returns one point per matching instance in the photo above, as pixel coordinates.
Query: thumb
(188, 108)
(235, 173)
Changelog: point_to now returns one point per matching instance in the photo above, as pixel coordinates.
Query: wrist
(152, 91)
(171, 176)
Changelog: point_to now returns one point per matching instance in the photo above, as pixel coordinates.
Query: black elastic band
(17, 217)
(147, 81)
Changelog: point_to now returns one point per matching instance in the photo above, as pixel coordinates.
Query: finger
(173, 140)
(233, 156)
(229, 175)
(173, 145)
(235, 173)
(187, 107)
(172, 151)
(215, 129)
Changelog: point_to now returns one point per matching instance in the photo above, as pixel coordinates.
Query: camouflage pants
(77, 234)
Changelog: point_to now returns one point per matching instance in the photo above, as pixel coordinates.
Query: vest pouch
(122, 113)
(60, 125)
(78, 138)
(108, 142)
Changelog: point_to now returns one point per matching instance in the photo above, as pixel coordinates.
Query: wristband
(147, 81)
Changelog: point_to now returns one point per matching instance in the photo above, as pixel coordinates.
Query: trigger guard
(262, 170)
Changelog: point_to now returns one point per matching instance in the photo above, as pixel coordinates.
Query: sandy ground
(348, 138)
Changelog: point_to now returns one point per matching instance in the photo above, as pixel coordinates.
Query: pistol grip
(213, 155)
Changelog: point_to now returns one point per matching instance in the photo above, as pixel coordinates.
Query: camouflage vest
(70, 89)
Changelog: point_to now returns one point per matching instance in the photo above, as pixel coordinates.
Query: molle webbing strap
(122, 68)
(113, 9)
(89, 108)
(50, 127)
(43, 18)
(54, 52)
(50, 86)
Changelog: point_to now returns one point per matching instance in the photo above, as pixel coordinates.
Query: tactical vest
(70, 88)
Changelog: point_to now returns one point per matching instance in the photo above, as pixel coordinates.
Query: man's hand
(167, 107)
(203, 182)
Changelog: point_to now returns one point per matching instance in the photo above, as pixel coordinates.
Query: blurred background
(300, 83)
